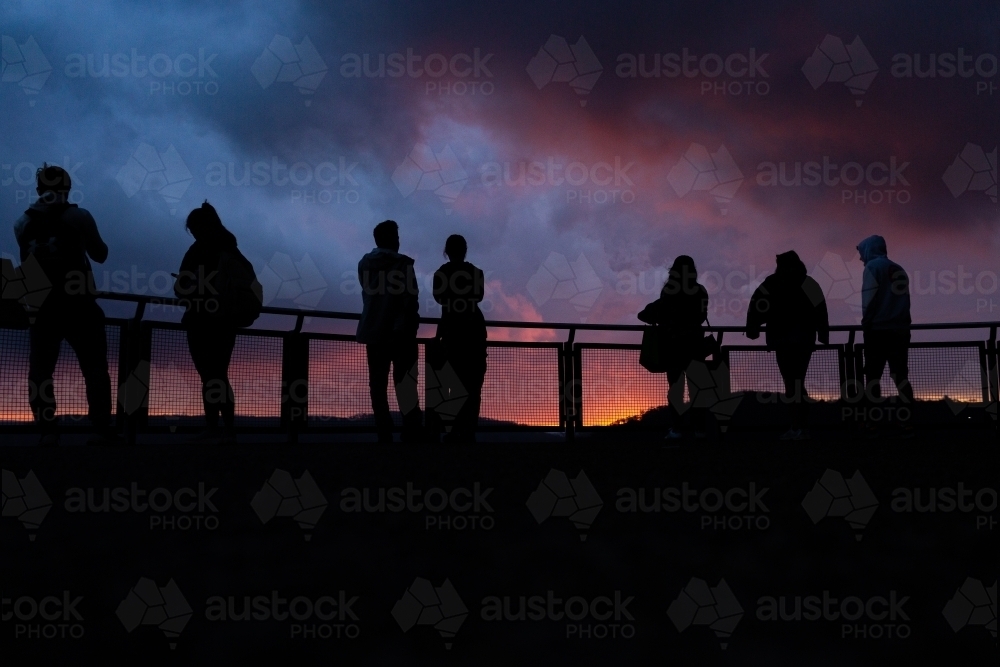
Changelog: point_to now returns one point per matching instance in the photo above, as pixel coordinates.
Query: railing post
(133, 393)
(849, 369)
(991, 366)
(294, 381)
(569, 387)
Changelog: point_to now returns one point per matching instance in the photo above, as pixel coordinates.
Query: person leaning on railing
(792, 306)
(679, 314)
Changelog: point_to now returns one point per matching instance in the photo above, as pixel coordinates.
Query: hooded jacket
(791, 304)
(885, 288)
(390, 296)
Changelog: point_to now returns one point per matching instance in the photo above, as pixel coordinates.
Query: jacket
(792, 306)
(195, 282)
(459, 287)
(389, 295)
(885, 288)
(680, 310)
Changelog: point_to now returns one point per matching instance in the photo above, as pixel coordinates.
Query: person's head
(204, 223)
(387, 235)
(872, 247)
(788, 263)
(52, 183)
(455, 248)
(682, 276)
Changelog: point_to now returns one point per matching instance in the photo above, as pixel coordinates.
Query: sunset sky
(195, 93)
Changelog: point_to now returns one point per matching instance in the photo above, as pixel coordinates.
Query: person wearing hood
(388, 328)
(679, 312)
(211, 338)
(792, 306)
(59, 240)
(885, 319)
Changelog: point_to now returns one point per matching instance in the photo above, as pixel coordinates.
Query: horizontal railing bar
(510, 324)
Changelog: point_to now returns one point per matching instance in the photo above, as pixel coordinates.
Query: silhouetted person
(459, 287)
(885, 319)
(680, 311)
(792, 306)
(388, 328)
(62, 238)
(211, 335)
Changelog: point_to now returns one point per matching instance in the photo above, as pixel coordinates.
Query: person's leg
(875, 359)
(203, 351)
(45, 337)
(226, 343)
(898, 357)
(675, 397)
(378, 387)
(470, 369)
(89, 340)
(405, 377)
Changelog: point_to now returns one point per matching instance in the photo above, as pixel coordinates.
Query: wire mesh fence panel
(338, 384)
(757, 370)
(521, 386)
(254, 373)
(613, 386)
(936, 372)
(68, 384)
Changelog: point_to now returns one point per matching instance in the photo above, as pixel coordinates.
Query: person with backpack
(219, 292)
(678, 315)
(793, 307)
(388, 328)
(58, 239)
(459, 287)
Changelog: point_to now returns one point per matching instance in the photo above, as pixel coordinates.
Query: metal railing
(294, 381)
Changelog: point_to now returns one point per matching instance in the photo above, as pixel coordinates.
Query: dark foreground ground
(328, 588)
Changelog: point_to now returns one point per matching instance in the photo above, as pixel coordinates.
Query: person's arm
(869, 288)
(651, 313)
(757, 312)
(440, 286)
(478, 286)
(95, 246)
(411, 302)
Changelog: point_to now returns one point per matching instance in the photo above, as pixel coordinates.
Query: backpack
(58, 250)
(240, 294)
